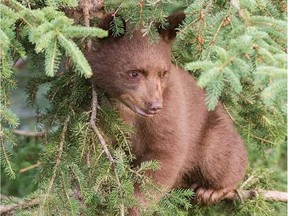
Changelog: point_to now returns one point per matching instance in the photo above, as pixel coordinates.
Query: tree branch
(29, 133)
(236, 195)
(103, 143)
(30, 167)
(21, 205)
(58, 160)
(268, 195)
(86, 9)
(95, 129)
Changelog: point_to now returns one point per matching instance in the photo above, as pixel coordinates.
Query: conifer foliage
(237, 51)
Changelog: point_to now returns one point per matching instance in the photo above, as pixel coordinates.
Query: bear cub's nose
(155, 106)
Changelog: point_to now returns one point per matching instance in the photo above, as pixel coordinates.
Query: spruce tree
(237, 51)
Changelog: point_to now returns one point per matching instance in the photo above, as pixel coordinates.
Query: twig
(30, 167)
(95, 129)
(267, 195)
(241, 126)
(86, 20)
(58, 160)
(190, 24)
(263, 140)
(29, 133)
(122, 209)
(4, 152)
(216, 33)
(103, 143)
(246, 182)
(236, 5)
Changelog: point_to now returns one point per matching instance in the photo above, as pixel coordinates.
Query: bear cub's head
(132, 70)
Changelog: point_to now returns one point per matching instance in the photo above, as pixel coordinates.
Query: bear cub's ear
(168, 34)
(108, 22)
(174, 21)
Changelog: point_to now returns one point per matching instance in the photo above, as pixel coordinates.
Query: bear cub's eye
(134, 74)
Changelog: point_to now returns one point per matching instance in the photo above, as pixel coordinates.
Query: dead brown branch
(267, 195)
(30, 167)
(87, 9)
(95, 129)
(29, 133)
(21, 205)
(103, 143)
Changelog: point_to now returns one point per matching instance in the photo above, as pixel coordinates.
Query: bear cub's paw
(208, 196)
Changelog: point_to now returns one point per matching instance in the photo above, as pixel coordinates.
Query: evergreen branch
(82, 32)
(125, 140)
(104, 145)
(236, 5)
(4, 39)
(58, 160)
(7, 161)
(73, 51)
(44, 40)
(241, 126)
(70, 3)
(14, 4)
(248, 180)
(64, 186)
(182, 30)
(261, 139)
(18, 7)
(21, 205)
(52, 58)
(217, 31)
(77, 189)
(99, 180)
(237, 195)
(8, 117)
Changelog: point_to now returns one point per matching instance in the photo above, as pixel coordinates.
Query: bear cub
(194, 147)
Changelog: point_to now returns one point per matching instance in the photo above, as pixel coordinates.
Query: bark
(87, 9)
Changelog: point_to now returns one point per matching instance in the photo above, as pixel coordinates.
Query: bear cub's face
(133, 71)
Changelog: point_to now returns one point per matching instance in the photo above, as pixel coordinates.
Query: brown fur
(195, 148)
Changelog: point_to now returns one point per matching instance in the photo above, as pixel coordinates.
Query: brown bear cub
(195, 148)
